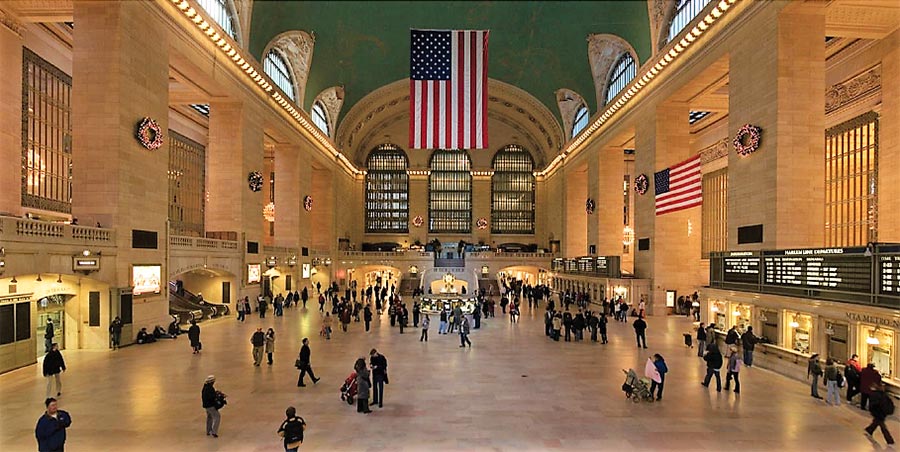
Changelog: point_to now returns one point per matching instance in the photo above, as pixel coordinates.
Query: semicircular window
(276, 68)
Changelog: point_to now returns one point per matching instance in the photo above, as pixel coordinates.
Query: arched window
(221, 12)
(512, 192)
(450, 192)
(320, 118)
(581, 120)
(387, 190)
(622, 72)
(685, 12)
(276, 68)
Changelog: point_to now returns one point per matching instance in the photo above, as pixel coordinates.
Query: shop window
(714, 228)
(742, 317)
(46, 135)
(770, 328)
(387, 190)
(512, 192)
(838, 336)
(720, 315)
(851, 182)
(879, 349)
(800, 330)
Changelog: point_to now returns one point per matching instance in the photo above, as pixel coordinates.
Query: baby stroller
(348, 389)
(636, 388)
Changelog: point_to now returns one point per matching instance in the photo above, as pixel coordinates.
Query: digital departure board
(838, 269)
(741, 267)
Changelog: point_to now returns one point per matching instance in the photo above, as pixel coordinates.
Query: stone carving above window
(603, 52)
(332, 99)
(568, 102)
(714, 152)
(853, 89)
(297, 46)
(244, 11)
(660, 13)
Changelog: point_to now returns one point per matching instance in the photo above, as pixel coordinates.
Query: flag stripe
(448, 89)
(679, 187)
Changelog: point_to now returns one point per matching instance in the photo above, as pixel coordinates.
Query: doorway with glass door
(51, 322)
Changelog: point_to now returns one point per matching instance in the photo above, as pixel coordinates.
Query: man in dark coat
(379, 377)
(304, 365)
(53, 366)
(748, 341)
(714, 362)
(640, 331)
(194, 336)
(880, 406)
(51, 427)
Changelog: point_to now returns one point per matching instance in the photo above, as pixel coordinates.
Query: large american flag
(448, 89)
(679, 187)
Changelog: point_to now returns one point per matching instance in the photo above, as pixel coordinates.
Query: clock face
(255, 181)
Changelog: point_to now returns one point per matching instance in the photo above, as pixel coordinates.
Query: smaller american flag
(679, 187)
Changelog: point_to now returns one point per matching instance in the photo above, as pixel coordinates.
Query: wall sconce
(271, 261)
(292, 261)
(794, 323)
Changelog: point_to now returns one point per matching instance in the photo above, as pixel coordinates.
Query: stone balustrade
(183, 242)
(13, 229)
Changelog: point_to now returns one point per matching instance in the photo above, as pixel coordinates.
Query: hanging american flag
(679, 187)
(448, 89)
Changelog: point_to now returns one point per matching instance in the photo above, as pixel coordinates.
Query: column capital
(11, 22)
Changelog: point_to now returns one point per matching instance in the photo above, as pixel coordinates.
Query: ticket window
(720, 315)
(800, 330)
(740, 316)
(770, 328)
(838, 339)
(879, 349)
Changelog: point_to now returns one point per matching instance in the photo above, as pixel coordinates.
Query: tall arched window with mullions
(320, 118)
(512, 192)
(581, 120)
(222, 11)
(276, 67)
(387, 190)
(450, 192)
(622, 72)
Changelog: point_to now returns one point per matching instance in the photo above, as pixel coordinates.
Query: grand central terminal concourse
(523, 226)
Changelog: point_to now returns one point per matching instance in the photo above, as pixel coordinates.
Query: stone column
(777, 82)
(607, 220)
(121, 75)
(10, 115)
(322, 214)
(889, 143)
(288, 201)
(576, 221)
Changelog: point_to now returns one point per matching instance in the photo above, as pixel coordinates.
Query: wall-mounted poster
(306, 271)
(146, 279)
(253, 273)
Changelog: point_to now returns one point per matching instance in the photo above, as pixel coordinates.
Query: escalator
(186, 306)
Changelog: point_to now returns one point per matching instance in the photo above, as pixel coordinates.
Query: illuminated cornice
(639, 83)
(251, 70)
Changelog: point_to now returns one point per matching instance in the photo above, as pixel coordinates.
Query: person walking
(241, 313)
(814, 370)
(379, 376)
(868, 377)
(852, 370)
(733, 371)
(749, 341)
(50, 430)
(426, 322)
(367, 316)
(701, 340)
(833, 379)
(212, 402)
(270, 344)
(880, 407)
(115, 332)
(304, 296)
(713, 359)
(53, 366)
(362, 386)
(49, 334)
(640, 331)
(661, 369)
(303, 364)
(557, 326)
(292, 428)
(464, 332)
(263, 305)
(194, 336)
(442, 327)
(326, 325)
(259, 341)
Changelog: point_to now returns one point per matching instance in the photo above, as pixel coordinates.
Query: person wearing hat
(211, 405)
(733, 369)
(814, 370)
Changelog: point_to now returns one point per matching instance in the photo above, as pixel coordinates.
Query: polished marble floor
(514, 390)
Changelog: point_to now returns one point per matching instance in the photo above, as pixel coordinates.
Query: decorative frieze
(853, 89)
(714, 152)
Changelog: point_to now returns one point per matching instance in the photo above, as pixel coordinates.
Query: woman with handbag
(292, 430)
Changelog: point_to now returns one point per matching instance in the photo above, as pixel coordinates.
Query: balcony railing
(184, 242)
(25, 230)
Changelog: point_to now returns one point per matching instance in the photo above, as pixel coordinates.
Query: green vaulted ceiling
(537, 46)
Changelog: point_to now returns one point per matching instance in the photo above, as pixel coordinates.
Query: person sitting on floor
(143, 337)
(160, 333)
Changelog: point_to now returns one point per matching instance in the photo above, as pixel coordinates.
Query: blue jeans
(834, 393)
(378, 391)
(748, 357)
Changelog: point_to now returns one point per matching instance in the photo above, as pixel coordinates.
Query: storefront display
(800, 329)
(719, 317)
(879, 348)
(741, 317)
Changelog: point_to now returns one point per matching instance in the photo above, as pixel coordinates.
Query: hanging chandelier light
(269, 212)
